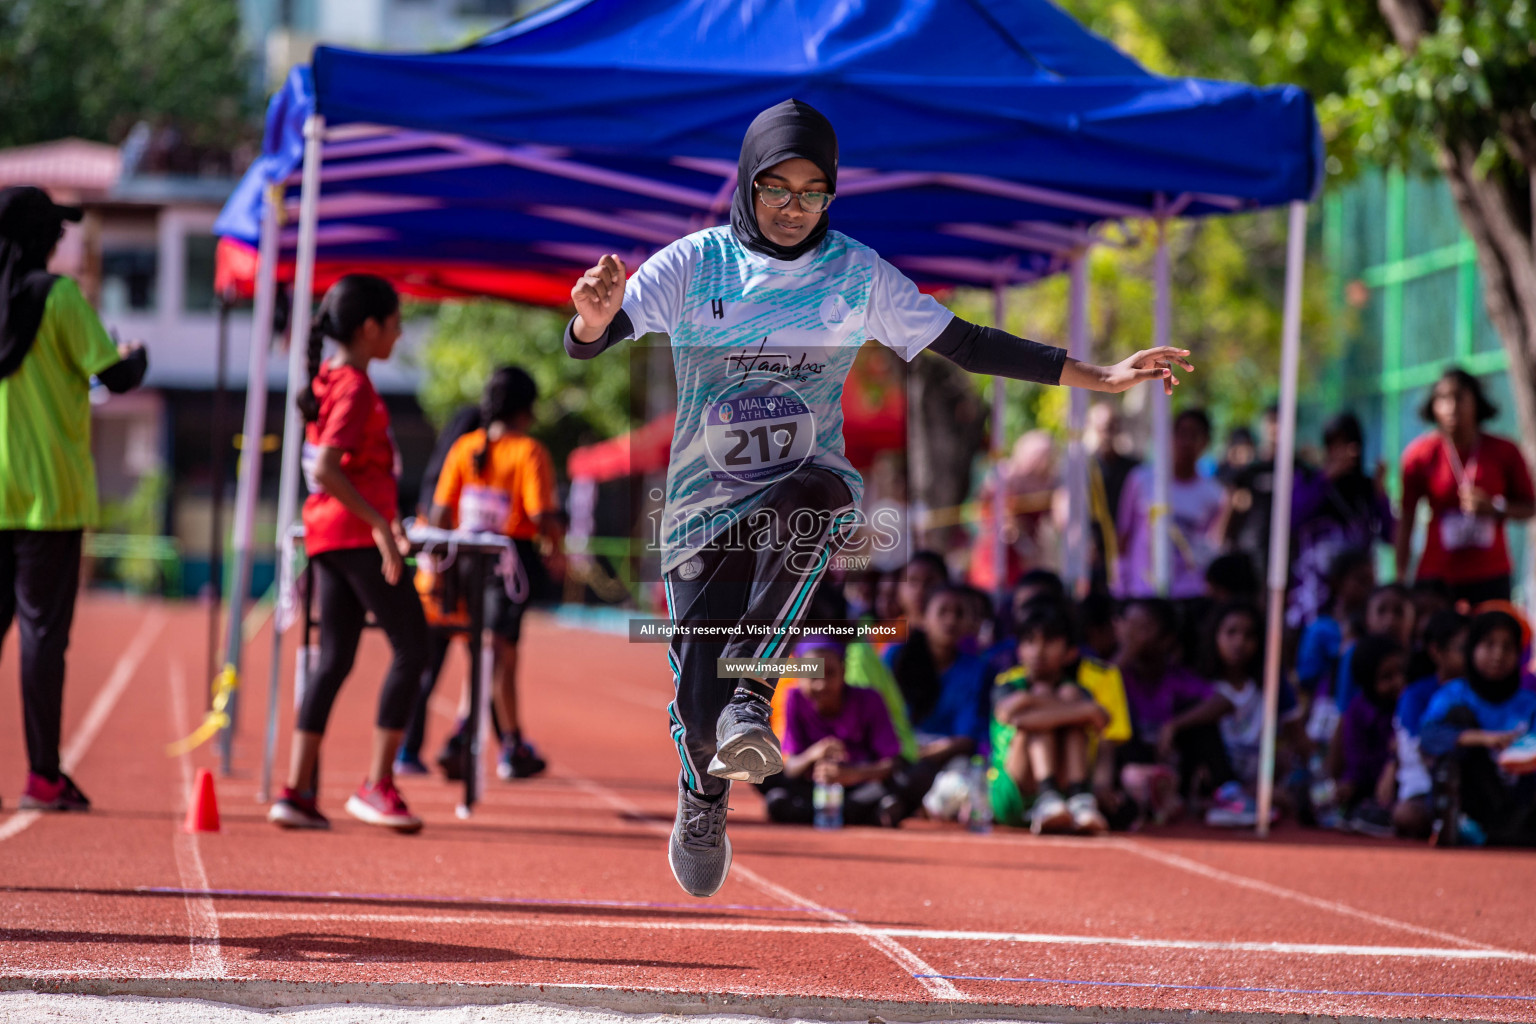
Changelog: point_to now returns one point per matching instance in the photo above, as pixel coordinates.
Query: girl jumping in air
(356, 548)
(765, 316)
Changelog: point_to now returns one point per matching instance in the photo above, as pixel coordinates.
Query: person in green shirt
(1056, 720)
(51, 345)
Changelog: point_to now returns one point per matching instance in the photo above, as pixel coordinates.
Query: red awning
(235, 276)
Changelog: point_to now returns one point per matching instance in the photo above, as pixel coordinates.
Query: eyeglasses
(776, 197)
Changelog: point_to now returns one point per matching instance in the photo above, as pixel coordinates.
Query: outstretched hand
(1148, 364)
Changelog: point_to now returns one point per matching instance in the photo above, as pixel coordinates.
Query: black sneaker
(293, 809)
(746, 750)
(700, 851)
(519, 761)
(451, 759)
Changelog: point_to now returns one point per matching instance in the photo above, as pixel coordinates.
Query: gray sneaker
(746, 750)
(700, 851)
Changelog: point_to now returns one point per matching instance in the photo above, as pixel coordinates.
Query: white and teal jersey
(761, 349)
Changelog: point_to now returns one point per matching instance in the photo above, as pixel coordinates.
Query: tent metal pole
(248, 485)
(293, 425)
(1280, 520)
(1075, 554)
(999, 456)
(1162, 433)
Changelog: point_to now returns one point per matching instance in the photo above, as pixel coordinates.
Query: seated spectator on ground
(924, 574)
(1444, 640)
(1388, 612)
(1096, 623)
(1233, 660)
(1429, 597)
(979, 627)
(1057, 721)
(1173, 711)
(1232, 577)
(1362, 760)
(842, 734)
(1037, 584)
(1477, 730)
(1350, 580)
(945, 688)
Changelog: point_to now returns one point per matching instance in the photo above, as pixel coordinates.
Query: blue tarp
(614, 125)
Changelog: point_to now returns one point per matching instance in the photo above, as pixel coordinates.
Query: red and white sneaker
(59, 795)
(295, 809)
(381, 804)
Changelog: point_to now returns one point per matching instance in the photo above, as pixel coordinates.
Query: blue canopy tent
(983, 142)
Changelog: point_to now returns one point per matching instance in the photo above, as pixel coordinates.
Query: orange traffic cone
(203, 811)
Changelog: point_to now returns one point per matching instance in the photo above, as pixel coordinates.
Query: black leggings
(349, 585)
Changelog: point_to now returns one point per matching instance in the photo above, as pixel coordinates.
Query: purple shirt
(864, 725)
(1153, 702)
(1366, 735)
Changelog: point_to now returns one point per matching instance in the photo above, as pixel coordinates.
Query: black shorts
(504, 616)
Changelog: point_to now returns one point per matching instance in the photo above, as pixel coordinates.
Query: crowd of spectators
(1406, 700)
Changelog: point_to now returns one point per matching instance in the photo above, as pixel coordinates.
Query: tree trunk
(946, 431)
(1497, 211)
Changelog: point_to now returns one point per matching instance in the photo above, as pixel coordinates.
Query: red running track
(562, 881)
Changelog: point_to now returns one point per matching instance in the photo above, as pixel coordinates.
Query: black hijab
(783, 132)
(30, 226)
(1494, 691)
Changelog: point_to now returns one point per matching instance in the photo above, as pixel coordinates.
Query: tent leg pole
(1280, 521)
(999, 458)
(248, 484)
(1162, 432)
(298, 365)
(1076, 560)
(216, 520)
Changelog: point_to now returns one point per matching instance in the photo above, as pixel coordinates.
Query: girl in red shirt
(355, 543)
(1474, 482)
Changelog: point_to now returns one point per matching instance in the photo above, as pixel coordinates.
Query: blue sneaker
(410, 764)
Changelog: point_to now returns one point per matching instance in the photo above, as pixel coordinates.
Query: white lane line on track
(97, 714)
(903, 957)
(202, 918)
(1334, 906)
(932, 934)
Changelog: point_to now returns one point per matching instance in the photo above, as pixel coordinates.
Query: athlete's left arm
(900, 316)
(998, 353)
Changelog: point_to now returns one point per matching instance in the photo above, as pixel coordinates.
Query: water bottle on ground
(978, 809)
(827, 799)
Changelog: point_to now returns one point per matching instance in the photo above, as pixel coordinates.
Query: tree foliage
(580, 401)
(95, 68)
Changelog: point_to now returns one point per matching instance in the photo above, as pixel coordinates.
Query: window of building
(491, 8)
(128, 278)
(198, 273)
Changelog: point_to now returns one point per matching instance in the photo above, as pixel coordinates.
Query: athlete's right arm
(598, 297)
(613, 304)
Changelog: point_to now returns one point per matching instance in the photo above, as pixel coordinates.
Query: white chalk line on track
(929, 934)
(97, 714)
(903, 957)
(1334, 906)
(202, 918)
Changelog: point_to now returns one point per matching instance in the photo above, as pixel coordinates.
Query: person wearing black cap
(51, 344)
(765, 316)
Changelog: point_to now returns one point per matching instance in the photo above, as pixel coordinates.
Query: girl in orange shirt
(501, 480)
